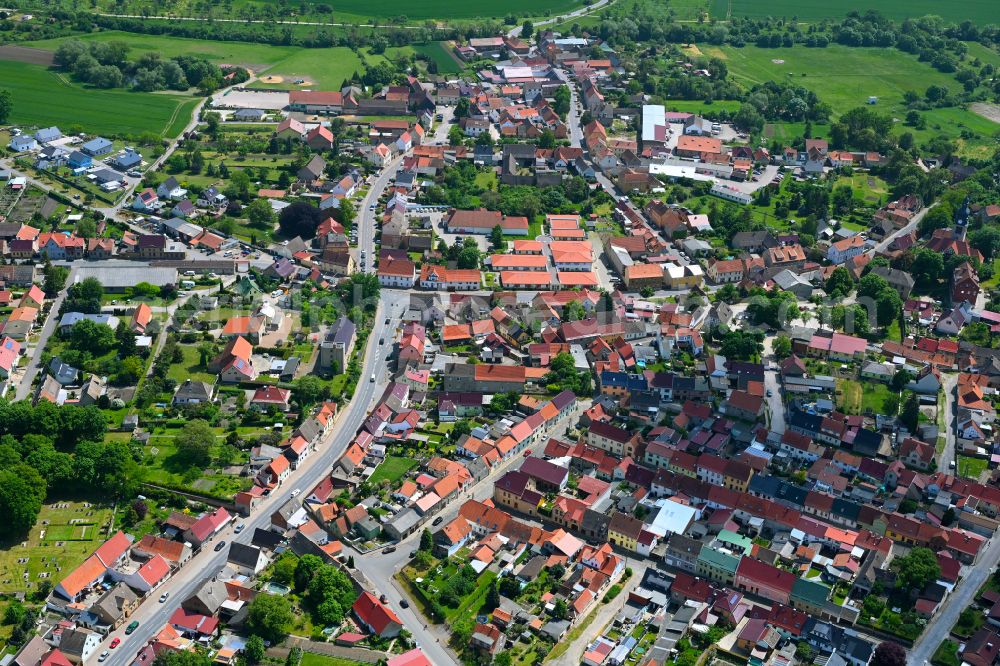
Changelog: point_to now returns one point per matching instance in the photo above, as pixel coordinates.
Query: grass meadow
(845, 77)
(980, 11)
(35, 88)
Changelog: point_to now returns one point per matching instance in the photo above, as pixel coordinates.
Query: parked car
(164, 596)
(115, 643)
(104, 655)
(404, 603)
(239, 528)
(437, 521)
(132, 627)
(219, 546)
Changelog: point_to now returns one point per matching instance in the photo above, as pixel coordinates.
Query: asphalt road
(380, 568)
(24, 386)
(153, 615)
(583, 11)
(939, 626)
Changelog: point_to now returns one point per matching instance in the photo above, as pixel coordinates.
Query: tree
(194, 442)
(910, 414)
(901, 379)
(283, 569)
(742, 345)
(497, 239)
(561, 100)
(782, 346)
(916, 569)
(14, 613)
(22, 490)
(182, 658)
(574, 311)
(254, 650)
(55, 279)
(426, 540)
(560, 610)
(527, 29)
(889, 653)
(492, 597)
(840, 283)
(330, 594)
(926, 268)
(305, 570)
(89, 336)
(260, 213)
(269, 616)
(728, 293)
(6, 105)
(88, 289)
(563, 375)
(299, 219)
(309, 389)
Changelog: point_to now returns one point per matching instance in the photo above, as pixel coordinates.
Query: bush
(612, 593)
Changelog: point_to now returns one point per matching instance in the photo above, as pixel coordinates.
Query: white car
(295, 493)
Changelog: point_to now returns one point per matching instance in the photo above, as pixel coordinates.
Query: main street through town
(152, 615)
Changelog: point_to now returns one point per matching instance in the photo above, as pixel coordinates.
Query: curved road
(152, 615)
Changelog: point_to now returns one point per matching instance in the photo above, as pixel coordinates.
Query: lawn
(325, 69)
(979, 11)
(112, 112)
(190, 367)
(392, 469)
(700, 107)
(313, 659)
(77, 528)
(946, 654)
(971, 468)
(439, 53)
(164, 466)
(853, 397)
(845, 77)
(789, 132)
(868, 190)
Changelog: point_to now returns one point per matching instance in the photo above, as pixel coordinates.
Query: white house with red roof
(194, 625)
(207, 526)
(270, 396)
(376, 617)
(10, 351)
(110, 554)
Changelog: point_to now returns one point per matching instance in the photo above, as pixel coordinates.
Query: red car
(115, 643)
(527, 453)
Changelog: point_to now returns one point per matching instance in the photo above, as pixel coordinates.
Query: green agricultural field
(254, 56)
(111, 112)
(846, 77)
(980, 11)
(449, 9)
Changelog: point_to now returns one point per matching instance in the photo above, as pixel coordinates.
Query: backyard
(392, 469)
(872, 397)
